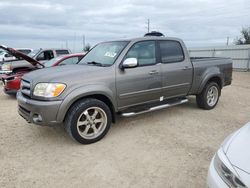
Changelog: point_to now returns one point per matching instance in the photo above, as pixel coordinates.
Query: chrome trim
(130, 114)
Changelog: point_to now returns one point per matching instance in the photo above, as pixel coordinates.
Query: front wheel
(88, 121)
(209, 96)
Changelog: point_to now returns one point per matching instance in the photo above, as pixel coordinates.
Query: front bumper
(10, 91)
(11, 86)
(38, 112)
(213, 179)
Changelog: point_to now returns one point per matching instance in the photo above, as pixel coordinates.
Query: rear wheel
(209, 96)
(88, 121)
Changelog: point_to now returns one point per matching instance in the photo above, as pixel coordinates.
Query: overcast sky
(36, 24)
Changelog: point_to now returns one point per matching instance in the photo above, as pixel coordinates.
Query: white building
(239, 53)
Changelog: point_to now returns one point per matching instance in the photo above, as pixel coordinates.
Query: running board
(130, 114)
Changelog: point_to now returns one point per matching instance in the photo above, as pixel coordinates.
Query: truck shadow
(57, 134)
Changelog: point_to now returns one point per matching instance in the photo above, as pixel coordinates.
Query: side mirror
(130, 63)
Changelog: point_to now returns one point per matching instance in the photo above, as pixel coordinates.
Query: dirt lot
(167, 148)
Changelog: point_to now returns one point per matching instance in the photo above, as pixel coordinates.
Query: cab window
(171, 52)
(144, 52)
(69, 61)
(45, 55)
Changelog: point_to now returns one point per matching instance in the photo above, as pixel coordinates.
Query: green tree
(87, 48)
(244, 38)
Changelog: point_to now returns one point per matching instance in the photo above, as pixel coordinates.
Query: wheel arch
(74, 97)
(217, 78)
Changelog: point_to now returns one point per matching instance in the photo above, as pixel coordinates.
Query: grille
(25, 88)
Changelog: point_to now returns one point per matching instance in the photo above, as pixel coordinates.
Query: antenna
(148, 25)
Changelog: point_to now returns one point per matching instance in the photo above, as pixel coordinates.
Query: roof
(145, 39)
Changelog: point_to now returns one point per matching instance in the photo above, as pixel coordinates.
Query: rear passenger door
(176, 69)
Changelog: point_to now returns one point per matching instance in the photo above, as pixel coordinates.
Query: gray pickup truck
(125, 77)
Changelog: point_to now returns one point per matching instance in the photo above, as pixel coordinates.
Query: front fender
(207, 75)
(81, 92)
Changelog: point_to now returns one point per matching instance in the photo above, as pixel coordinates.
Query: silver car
(230, 167)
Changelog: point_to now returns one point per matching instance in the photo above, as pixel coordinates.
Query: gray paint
(125, 87)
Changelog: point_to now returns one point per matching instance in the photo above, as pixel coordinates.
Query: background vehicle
(12, 81)
(5, 56)
(230, 166)
(41, 55)
(128, 77)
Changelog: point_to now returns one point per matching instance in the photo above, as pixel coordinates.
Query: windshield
(33, 53)
(1, 52)
(51, 62)
(104, 54)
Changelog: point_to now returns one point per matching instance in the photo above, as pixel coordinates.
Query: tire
(205, 99)
(88, 120)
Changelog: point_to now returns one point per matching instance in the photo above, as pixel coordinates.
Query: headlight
(49, 90)
(226, 174)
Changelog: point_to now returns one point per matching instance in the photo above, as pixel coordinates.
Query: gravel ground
(167, 148)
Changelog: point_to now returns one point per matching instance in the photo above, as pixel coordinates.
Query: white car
(230, 167)
(5, 56)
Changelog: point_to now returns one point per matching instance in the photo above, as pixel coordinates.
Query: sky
(63, 23)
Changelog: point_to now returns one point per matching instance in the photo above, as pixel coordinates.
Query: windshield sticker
(110, 54)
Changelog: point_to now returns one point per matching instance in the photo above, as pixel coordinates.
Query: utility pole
(148, 25)
(227, 40)
(66, 42)
(83, 42)
(74, 42)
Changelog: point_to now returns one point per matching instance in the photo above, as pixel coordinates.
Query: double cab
(125, 77)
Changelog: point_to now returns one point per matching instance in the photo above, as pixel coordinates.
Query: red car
(12, 81)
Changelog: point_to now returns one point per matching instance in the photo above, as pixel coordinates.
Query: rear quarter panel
(205, 69)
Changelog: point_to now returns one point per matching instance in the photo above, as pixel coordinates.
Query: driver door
(140, 84)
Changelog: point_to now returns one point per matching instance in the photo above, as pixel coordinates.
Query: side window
(8, 55)
(69, 61)
(45, 55)
(144, 52)
(24, 51)
(171, 51)
(61, 52)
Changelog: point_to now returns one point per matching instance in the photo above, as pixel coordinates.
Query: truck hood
(18, 54)
(68, 74)
(238, 151)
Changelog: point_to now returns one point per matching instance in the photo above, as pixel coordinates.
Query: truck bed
(203, 65)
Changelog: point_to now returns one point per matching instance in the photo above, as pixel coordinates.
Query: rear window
(171, 52)
(26, 51)
(62, 52)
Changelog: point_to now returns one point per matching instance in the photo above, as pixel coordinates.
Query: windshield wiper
(95, 63)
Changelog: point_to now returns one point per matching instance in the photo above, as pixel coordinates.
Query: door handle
(186, 68)
(153, 72)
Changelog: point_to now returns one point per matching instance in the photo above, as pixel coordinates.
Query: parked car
(126, 77)
(12, 81)
(41, 55)
(230, 166)
(5, 56)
